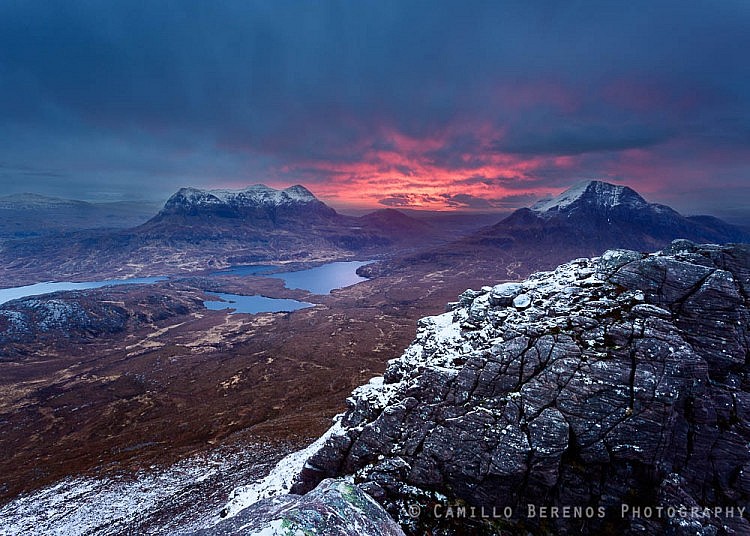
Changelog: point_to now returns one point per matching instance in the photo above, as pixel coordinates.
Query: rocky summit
(609, 396)
(597, 194)
(258, 202)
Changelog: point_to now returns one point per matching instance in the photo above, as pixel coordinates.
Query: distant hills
(32, 215)
(28, 201)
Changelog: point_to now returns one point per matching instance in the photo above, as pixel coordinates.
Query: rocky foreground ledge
(614, 389)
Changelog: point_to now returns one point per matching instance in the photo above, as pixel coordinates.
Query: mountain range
(208, 229)
(290, 220)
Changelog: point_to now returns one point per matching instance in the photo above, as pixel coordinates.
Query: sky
(445, 105)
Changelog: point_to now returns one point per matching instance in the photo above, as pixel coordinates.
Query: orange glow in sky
(408, 172)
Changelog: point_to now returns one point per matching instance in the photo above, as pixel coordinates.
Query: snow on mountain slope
(597, 193)
(257, 194)
(181, 498)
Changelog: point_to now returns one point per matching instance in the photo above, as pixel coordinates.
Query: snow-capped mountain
(598, 194)
(583, 221)
(266, 215)
(255, 194)
(257, 204)
(594, 216)
(252, 196)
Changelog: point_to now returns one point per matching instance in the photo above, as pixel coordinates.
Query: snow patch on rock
(599, 193)
(257, 194)
(278, 481)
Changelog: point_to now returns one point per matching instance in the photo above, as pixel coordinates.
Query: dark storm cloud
(457, 201)
(466, 201)
(580, 139)
(398, 200)
(149, 96)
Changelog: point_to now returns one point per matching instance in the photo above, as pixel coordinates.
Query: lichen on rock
(334, 508)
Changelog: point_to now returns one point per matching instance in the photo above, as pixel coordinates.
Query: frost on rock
(121, 504)
(335, 507)
(604, 381)
(278, 481)
(522, 301)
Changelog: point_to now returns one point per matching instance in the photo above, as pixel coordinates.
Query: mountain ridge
(254, 195)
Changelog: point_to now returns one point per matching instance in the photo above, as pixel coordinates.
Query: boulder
(334, 508)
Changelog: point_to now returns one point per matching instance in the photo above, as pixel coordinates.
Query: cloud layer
(468, 105)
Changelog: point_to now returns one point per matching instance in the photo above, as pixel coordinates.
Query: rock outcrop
(334, 508)
(618, 387)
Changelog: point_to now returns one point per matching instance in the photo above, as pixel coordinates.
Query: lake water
(323, 279)
(253, 304)
(7, 294)
(319, 280)
(247, 269)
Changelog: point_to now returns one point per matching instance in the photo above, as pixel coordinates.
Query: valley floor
(87, 417)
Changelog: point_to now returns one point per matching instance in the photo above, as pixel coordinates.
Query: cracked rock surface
(619, 380)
